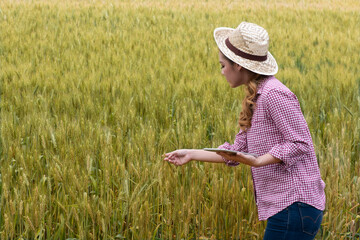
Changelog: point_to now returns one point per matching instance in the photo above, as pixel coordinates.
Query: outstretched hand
(177, 157)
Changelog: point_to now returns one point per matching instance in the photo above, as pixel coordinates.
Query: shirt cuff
(278, 152)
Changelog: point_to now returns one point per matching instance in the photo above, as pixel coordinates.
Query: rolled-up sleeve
(239, 145)
(284, 108)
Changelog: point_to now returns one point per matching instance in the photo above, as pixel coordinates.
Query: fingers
(238, 157)
(175, 157)
(167, 154)
(170, 157)
(173, 161)
(226, 155)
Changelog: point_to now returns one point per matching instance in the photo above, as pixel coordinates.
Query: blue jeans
(298, 221)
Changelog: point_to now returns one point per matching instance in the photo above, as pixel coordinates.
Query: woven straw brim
(267, 67)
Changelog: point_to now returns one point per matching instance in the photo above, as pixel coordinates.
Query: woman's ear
(238, 67)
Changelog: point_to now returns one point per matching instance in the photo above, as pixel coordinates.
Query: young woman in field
(289, 191)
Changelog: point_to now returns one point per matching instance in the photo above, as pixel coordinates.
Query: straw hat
(247, 45)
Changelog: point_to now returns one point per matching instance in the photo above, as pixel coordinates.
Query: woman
(289, 192)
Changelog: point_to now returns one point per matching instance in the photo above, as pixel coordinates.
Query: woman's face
(231, 71)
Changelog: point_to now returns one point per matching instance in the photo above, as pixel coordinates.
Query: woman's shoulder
(272, 85)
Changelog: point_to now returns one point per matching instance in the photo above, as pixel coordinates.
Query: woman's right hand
(178, 157)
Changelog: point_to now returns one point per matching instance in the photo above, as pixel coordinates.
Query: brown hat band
(244, 54)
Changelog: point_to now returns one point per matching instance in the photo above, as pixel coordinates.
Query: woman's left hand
(240, 157)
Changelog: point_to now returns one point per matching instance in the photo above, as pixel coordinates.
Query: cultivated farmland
(94, 92)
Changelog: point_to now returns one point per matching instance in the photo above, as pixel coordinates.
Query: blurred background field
(94, 92)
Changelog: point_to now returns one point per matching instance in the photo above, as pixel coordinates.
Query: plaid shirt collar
(262, 84)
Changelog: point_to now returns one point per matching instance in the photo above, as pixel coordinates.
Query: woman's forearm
(266, 160)
(205, 156)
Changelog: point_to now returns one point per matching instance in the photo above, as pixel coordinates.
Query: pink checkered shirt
(278, 127)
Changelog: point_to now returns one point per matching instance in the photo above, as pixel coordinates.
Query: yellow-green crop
(94, 92)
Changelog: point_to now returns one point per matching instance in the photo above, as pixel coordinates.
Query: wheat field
(94, 92)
